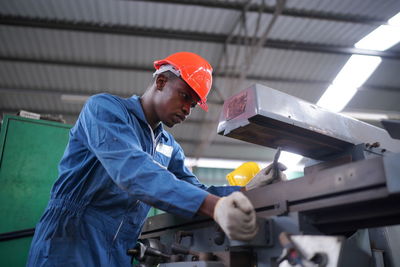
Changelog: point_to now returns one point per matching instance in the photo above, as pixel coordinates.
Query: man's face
(175, 101)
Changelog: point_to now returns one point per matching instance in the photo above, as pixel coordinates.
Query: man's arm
(178, 168)
(106, 130)
(208, 205)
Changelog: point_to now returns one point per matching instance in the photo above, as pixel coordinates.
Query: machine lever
(275, 165)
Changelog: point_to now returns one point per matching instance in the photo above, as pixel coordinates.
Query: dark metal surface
(167, 221)
(343, 180)
(386, 240)
(344, 198)
(352, 195)
(193, 264)
(267, 117)
(351, 217)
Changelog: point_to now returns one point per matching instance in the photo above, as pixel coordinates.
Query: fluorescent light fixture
(359, 67)
(395, 20)
(357, 70)
(336, 97)
(354, 73)
(75, 99)
(382, 38)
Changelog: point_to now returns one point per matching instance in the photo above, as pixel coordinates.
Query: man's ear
(161, 80)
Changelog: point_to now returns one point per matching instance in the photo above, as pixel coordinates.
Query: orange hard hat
(194, 70)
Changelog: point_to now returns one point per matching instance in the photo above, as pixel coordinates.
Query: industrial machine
(343, 212)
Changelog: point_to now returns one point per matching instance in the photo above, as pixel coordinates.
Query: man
(120, 161)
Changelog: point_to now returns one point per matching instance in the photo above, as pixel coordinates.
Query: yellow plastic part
(243, 174)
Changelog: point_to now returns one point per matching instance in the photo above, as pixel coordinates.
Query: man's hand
(236, 216)
(266, 176)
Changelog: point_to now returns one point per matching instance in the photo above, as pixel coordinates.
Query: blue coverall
(113, 169)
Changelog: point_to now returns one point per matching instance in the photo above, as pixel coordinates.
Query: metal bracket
(281, 208)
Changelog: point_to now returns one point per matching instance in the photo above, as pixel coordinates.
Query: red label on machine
(236, 106)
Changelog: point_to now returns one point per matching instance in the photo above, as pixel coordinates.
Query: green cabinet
(30, 151)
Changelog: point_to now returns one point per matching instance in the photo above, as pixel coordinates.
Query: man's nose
(186, 108)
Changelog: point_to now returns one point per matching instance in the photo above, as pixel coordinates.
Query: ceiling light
(75, 99)
(336, 97)
(395, 20)
(381, 38)
(354, 73)
(357, 70)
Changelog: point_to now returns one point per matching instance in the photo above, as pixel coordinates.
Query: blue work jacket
(114, 168)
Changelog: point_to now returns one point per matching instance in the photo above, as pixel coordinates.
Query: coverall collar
(139, 113)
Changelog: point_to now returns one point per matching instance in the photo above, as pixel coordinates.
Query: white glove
(236, 216)
(266, 176)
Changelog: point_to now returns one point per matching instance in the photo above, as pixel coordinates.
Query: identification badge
(164, 149)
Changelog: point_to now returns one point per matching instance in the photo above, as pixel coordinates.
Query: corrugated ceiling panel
(286, 64)
(296, 64)
(307, 30)
(142, 14)
(72, 79)
(96, 47)
(373, 8)
(319, 31)
(375, 100)
(387, 74)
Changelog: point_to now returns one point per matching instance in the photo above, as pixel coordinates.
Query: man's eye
(187, 98)
(184, 95)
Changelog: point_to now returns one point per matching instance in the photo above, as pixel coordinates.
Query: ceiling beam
(183, 35)
(76, 63)
(131, 67)
(267, 9)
